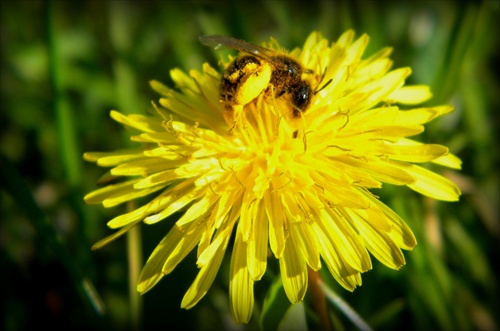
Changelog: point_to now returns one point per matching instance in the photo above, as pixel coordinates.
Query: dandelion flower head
(296, 189)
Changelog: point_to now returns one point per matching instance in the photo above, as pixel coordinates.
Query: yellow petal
(110, 238)
(422, 115)
(139, 122)
(152, 271)
(159, 87)
(227, 199)
(355, 51)
(450, 161)
(276, 217)
(372, 71)
(344, 274)
(377, 242)
(293, 271)
(433, 185)
(374, 215)
(336, 191)
(411, 95)
(248, 215)
(182, 80)
(208, 230)
(345, 39)
(400, 232)
(198, 209)
(170, 153)
(378, 90)
(184, 193)
(416, 153)
(240, 283)
(133, 194)
(140, 213)
(291, 207)
(258, 244)
(381, 171)
(142, 167)
(307, 243)
(382, 54)
(191, 236)
(345, 240)
(158, 178)
(110, 191)
(204, 279)
(114, 158)
(220, 238)
(447, 160)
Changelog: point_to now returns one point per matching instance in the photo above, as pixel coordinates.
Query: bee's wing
(217, 41)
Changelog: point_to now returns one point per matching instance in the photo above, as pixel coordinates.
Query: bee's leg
(233, 115)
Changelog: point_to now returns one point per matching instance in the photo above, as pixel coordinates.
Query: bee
(257, 71)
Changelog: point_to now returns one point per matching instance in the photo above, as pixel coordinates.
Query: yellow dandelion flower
(295, 180)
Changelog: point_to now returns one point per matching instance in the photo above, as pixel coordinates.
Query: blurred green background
(65, 65)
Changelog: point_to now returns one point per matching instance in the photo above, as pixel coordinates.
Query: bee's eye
(302, 96)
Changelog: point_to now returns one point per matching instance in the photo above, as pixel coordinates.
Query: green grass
(66, 65)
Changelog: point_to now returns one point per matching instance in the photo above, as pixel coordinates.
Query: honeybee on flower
(258, 72)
